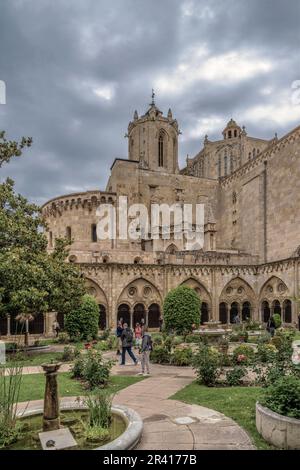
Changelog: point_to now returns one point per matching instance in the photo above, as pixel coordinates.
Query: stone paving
(201, 428)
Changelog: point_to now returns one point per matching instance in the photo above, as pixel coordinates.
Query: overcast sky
(75, 71)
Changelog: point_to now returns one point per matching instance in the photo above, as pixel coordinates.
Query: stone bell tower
(153, 140)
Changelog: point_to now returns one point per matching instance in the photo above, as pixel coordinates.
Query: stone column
(51, 419)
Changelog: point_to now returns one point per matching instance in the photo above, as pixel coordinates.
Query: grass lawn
(35, 359)
(237, 403)
(297, 335)
(33, 385)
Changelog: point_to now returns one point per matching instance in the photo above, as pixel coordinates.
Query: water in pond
(74, 420)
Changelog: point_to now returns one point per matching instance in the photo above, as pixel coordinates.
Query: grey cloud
(51, 51)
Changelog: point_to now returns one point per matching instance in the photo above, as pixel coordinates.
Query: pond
(75, 421)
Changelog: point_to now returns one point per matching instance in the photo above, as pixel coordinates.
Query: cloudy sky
(75, 71)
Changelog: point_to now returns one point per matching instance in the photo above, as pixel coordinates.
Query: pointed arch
(99, 295)
(162, 147)
(273, 288)
(171, 249)
(240, 298)
(139, 295)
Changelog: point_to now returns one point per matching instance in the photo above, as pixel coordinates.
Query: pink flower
(241, 358)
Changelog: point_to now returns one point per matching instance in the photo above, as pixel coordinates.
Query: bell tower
(153, 140)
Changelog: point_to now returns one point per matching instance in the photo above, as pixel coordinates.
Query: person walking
(56, 328)
(119, 331)
(127, 341)
(138, 335)
(146, 350)
(236, 319)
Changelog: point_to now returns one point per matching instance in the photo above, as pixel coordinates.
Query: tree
(181, 310)
(11, 148)
(32, 280)
(82, 323)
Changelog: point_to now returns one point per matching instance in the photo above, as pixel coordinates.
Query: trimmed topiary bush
(82, 323)
(181, 310)
(277, 320)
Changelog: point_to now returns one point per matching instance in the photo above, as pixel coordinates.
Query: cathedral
(249, 263)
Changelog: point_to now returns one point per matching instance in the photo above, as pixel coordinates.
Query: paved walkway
(171, 424)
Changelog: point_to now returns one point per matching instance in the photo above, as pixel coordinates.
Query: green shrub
(168, 343)
(160, 355)
(63, 338)
(182, 357)
(83, 322)
(78, 367)
(178, 340)
(252, 325)
(206, 364)
(157, 340)
(105, 334)
(92, 369)
(266, 352)
(68, 354)
(102, 346)
(181, 310)
(192, 338)
(263, 339)
(277, 320)
(283, 397)
(243, 354)
(11, 347)
(234, 377)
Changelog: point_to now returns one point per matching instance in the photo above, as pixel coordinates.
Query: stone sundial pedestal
(51, 419)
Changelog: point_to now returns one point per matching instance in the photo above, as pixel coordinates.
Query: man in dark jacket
(127, 342)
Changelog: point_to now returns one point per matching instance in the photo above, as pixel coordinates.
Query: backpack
(129, 336)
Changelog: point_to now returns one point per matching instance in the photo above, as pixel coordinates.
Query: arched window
(253, 153)
(234, 311)
(246, 311)
(102, 317)
(153, 316)
(204, 313)
(225, 163)
(231, 164)
(277, 307)
(229, 134)
(223, 312)
(124, 313)
(287, 311)
(69, 233)
(94, 233)
(235, 133)
(219, 167)
(139, 313)
(161, 150)
(249, 156)
(265, 311)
